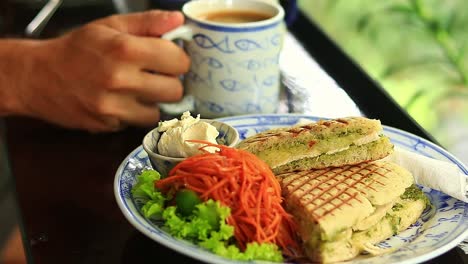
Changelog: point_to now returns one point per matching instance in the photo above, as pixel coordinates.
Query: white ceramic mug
(234, 67)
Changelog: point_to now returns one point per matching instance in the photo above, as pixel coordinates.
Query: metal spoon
(35, 27)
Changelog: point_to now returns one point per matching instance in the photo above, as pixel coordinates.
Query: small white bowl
(228, 136)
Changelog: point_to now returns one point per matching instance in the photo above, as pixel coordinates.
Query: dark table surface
(63, 179)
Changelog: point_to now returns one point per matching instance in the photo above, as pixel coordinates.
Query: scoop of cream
(175, 133)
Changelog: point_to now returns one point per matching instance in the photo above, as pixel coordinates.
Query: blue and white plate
(437, 231)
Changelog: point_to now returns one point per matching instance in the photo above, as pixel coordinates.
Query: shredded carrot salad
(243, 182)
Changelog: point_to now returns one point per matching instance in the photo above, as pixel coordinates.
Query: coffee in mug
(234, 16)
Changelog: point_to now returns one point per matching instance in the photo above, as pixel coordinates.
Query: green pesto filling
(337, 157)
(414, 193)
(394, 221)
(324, 143)
(396, 207)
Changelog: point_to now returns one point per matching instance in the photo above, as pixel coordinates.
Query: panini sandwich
(326, 143)
(343, 211)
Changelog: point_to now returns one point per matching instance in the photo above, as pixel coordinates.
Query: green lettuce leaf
(144, 192)
(206, 226)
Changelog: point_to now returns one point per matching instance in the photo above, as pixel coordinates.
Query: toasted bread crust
(321, 195)
(348, 248)
(320, 130)
(284, 149)
(328, 203)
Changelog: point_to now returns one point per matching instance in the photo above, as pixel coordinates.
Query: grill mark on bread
(343, 202)
(308, 127)
(304, 176)
(347, 213)
(296, 131)
(302, 181)
(344, 121)
(327, 123)
(311, 143)
(323, 202)
(262, 137)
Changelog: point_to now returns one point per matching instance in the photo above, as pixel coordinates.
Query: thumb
(149, 23)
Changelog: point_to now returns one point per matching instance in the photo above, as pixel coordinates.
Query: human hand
(106, 74)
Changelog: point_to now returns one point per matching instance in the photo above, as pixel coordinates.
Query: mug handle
(183, 32)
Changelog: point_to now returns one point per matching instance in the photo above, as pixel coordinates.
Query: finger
(92, 122)
(152, 54)
(73, 115)
(154, 87)
(150, 23)
(129, 110)
(105, 124)
(89, 122)
(141, 115)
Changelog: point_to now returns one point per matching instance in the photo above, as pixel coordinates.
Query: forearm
(18, 61)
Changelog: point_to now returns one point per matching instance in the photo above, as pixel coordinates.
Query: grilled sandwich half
(326, 143)
(344, 211)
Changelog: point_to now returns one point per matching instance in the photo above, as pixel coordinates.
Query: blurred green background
(417, 51)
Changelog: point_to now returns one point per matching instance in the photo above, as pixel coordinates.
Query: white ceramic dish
(228, 136)
(437, 231)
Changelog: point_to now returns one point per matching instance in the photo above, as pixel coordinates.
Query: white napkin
(435, 174)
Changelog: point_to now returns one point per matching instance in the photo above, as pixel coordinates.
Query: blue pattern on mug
(214, 107)
(198, 59)
(194, 77)
(231, 85)
(205, 42)
(247, 45)
(214, 63)
(251, 64)
(270, 80)
(251, 107)
(276, 40)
